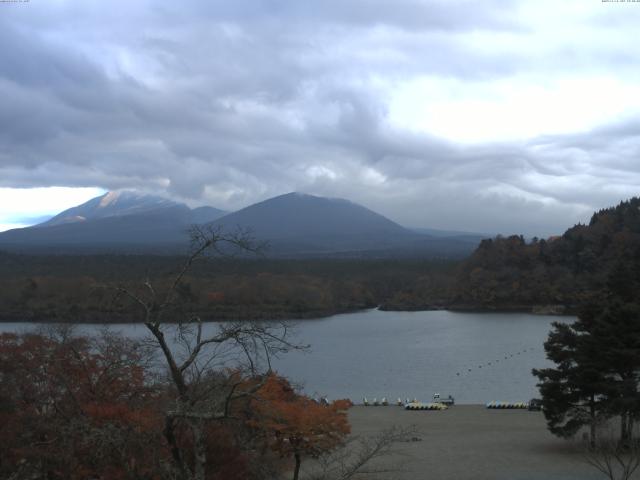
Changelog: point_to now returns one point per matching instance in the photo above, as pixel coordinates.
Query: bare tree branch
(361, 456)
(615, 460)
(203, 394)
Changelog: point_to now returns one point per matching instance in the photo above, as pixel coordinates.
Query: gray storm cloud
(228, 103)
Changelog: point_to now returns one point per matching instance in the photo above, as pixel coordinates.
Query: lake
(475, 357)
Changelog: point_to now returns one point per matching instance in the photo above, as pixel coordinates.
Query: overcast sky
(492, 116)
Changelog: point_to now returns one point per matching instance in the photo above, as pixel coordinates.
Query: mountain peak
(120, 219)
(316, 223)
(111, 204)
(115, 196)
(312, 198)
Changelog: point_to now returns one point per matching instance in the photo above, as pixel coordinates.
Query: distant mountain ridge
(115, 221)
(294, 225)
(298, 224)
(301, 225)
(125, 203)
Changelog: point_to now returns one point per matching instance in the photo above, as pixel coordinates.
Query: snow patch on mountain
(108, 199)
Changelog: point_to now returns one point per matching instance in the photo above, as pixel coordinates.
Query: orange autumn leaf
(297, 424)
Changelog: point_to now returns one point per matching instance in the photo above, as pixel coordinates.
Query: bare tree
(195, 354)
(363, 456)
(616, 460)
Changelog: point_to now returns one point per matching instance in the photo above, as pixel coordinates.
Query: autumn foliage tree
(296, 426)
(74, 407)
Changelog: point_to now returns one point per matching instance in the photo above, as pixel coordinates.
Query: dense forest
(84, 288)
(555, 275)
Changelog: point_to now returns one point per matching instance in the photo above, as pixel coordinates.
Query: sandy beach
(475, 443)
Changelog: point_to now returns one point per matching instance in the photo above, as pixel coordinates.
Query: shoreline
(116, 319)
(107, 319)
(558, 310)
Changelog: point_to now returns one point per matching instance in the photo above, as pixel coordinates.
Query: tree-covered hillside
(562, 272)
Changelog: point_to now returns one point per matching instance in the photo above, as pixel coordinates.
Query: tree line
(567, 271)
(79, 288)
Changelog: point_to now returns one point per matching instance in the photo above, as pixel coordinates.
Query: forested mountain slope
(561, 271)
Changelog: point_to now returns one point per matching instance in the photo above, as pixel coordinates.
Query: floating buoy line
(425, 406)
(506, 356)
(508, 405)
(444, 404)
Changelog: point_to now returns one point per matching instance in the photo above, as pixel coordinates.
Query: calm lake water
(475, 357)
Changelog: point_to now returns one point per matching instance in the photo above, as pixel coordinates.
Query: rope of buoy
(425, 406)
(506, 357)
(507, 405)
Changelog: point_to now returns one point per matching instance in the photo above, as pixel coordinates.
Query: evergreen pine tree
(597, 373)
(572, 391)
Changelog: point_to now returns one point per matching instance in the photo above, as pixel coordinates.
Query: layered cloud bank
(495, 116)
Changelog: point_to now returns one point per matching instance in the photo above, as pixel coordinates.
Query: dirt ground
(475, 443)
